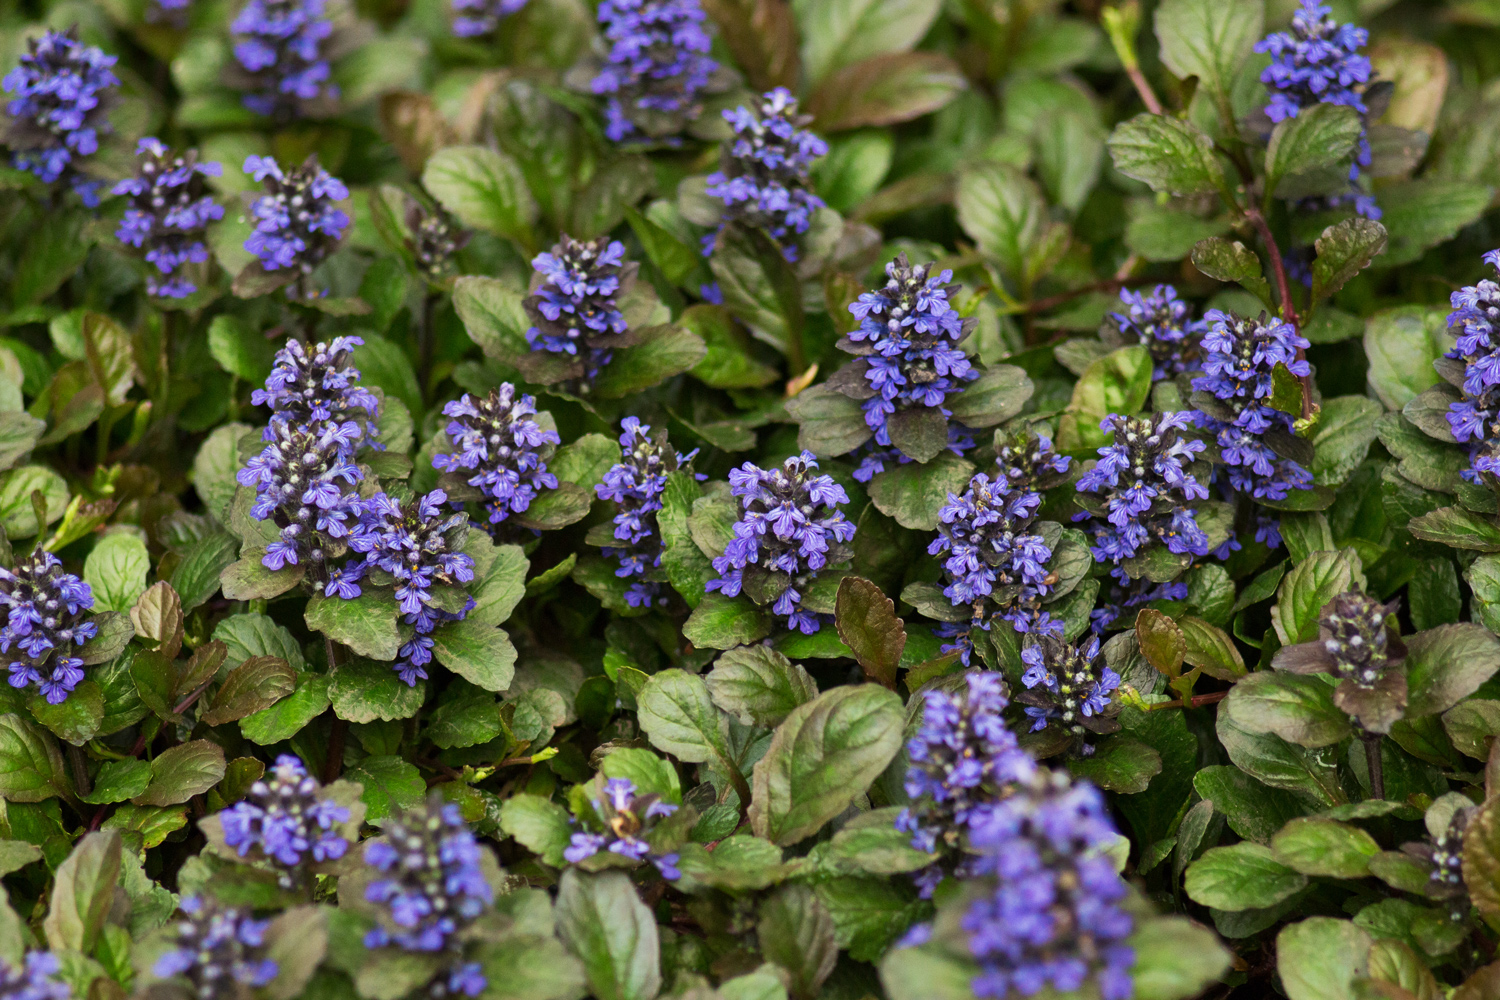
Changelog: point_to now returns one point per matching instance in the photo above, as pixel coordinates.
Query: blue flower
(657, 66)
(629, 820)
(36, 979)
(216, 943)
(1069, 686)
(1141, 490)
(1318, 62)
(415, 546)
(496, 438)
(59, 95)
(992, 561)
(962, 758)
(1159, 321)
(1239, 358)
(481, 18)
(635, 485)
(46, 612)
(433, 886)
(574, 309)
(763, 180)
(1052, 913)
(1475, 419)
(297, 225)
(303, 477)
(907, 341)
(170, 209)
(790, 527)
(279, 45)
(286, 821)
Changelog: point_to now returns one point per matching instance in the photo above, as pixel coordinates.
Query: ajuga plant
(60, 95)
(1045, 541)
(170, 209)
(657, 67)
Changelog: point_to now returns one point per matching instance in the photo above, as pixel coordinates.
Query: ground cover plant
(750, 499)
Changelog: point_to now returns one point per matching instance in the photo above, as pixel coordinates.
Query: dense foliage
(749, 499)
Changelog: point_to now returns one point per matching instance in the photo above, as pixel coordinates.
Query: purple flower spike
(60, 94)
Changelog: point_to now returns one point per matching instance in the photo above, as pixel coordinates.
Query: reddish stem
(1197, 701)
(1284, 292)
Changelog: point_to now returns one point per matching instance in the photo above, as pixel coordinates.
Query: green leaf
(1419, 214)
(1347, 426)
(287, 717)
(369, 690)
(1119, 382)
(83, 892)
(1311, 584)
(869, 914)
(240, 350)
(467, 716)
(1446, 664)
(829, 423)
(1297, 708)
(824, 754)
(1209, 40)
(531, 967)
(759, 286)
(676, 260)
(1457, 527)
(119, 780)
(17, 515)
(1161, 233)
(867, 623)
(1171, 155)
(539, 824)
(251, 634)
(75, 720)
(1322, 135)
(18, 436)
(602, 921)
(1003, 212)
(856, 163)
(1175, 959)
(483, 189)
(215, 467)
(913, 494)
(1279, 763)
(720, 622)
(885, 90)
(729, 362)
(1211, 648)
(185, 770)
(841, 32)
(383, 363)
(795, 931)
(1320, 958)
(1119, 764)
(994, 397)
(758, 685)
(1481, 859)
(1402, 343)
(928, 973)
(481, 654)
(1316, 846)
(31, 766)
(664, 352)
(196, 578)
(1254, 811)
(15, 855)
(502, 588)
(492, 313)
(253, 686)
(1244, 876)
(367, 624)
(390, 784)
(1230, 260)
(1161, 641)
(1344, 249)
(678, 715)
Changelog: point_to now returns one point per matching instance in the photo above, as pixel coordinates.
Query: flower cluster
(320, 418)
(415, 546)
(481, 18)
(575, 306)
(35, 979)
(962, 759)
(170, 209)
(433, 888)
(1239, 358)
(1319, 62)
(297, 225)
(1055, 916)
(496, 438)
(1356, 644)
(1029, 462)
(1443, 851)
(45, 620)
(1159, 321)
(993, 562)
(280, 48)
(907, 339)
(635, 485)
(658, 65)
(1068, 686)
(59, 95)
(1475, 419)
(435, 240)
(763, 180)
(286, 821)
(629, 818)
(219, 950)
(1143, 489)
(789, 528)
